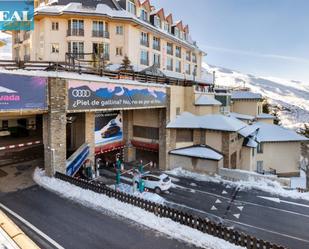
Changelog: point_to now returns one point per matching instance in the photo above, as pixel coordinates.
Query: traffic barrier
(202, 224)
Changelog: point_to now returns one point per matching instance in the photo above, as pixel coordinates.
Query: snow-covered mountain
(290, 96)
(6, 50)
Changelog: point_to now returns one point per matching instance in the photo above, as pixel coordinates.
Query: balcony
(75, 32)
(145, 43)
(100, 34)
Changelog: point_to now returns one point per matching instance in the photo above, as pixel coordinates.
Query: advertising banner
(94, 95)
(108, 128)
(16, 15)
(19, 92)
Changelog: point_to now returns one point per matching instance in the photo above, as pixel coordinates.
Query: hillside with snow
(291, 98)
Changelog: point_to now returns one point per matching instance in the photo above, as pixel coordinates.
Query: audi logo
(81, 93)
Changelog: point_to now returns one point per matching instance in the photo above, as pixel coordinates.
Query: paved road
(77, 227)
(282, 223)
(285, 223)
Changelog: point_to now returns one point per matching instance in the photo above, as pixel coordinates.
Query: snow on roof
(242, 116)
(265, 116)
(103, 9)
(245, 95)
(203, 152)
(206, 100)
(276, 133)
(248, 130)
(209, 122)
(250, 143)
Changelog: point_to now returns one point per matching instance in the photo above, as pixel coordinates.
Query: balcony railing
(145, 43)
(75, 32)
(156, 47)
(169, 68)
(145, 62)
(170, 51)
(101, 34)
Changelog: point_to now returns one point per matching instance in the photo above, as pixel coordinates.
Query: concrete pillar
(89, 133)
(226, 149)
(54, 127)
(162, 140)
(170, 134)
(129, 150)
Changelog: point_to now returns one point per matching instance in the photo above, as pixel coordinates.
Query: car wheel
(157, 190)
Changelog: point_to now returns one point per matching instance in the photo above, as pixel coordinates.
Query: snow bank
(265, 185)
(145, 195)
(103, 203)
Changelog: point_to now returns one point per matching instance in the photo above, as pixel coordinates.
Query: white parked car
(157, 182)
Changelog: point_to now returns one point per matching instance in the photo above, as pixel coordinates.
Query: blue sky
(262, 37)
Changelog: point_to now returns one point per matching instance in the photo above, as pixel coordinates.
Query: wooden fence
(201, 224)
(81, 68)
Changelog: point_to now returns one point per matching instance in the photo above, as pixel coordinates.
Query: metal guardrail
(73, 64)
(201, 224)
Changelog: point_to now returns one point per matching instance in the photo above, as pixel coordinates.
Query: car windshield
(166, 179)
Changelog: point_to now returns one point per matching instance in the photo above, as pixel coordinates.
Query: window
(119, 51)
(157, 21)
(55, 48)
(157, 60)
(178, 52)
(253, 152)
(194, 59)
(132, 7)
(177, 32)
(260, 148)
(177, 111)
(188, 56)
(178, 66)
(97, 29)
(5, 124)
(169, 64)
(188, 68)
(169, 48)
(144, 57)
(76, 28)
(144, 15)
(167, 27)
(146, 132)
(77, 48)
(55, 26)
(119, 30)
(183, 135)
(259, 167)
(156, 43)
(144, 39)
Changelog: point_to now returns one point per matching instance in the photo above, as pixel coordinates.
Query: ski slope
(292, 97)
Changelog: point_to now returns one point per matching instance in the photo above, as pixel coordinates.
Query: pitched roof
(245, 95)
(169, 19)
(275, 133)
(208, 122)
(206, 101)
(203, 152)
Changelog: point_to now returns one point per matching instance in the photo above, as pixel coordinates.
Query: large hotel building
(112, 29)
